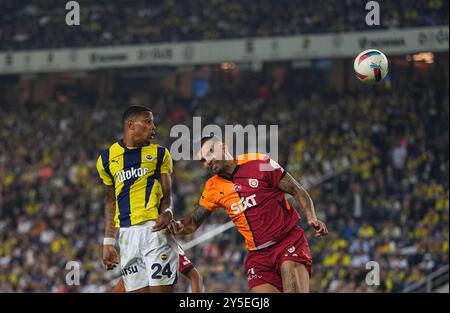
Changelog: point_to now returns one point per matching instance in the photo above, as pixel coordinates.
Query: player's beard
(218, 167)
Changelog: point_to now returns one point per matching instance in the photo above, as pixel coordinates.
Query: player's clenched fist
(110, 257)
(163, 221)
(319, 227)
(175, 227)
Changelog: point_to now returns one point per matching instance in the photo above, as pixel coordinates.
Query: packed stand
(38, 24)
(384, 151)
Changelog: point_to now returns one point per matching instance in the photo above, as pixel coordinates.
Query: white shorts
(147, 258)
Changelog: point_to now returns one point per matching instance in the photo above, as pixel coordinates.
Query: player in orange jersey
(251, 189)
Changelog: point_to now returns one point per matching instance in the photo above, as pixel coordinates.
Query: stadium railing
(431, 283)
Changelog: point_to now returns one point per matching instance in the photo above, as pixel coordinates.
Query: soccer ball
(371, 66)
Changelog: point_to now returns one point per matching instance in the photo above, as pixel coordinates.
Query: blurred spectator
(52, 203)
(35, 24)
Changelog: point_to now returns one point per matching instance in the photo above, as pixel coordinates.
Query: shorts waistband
(263, 246)
(138, 226)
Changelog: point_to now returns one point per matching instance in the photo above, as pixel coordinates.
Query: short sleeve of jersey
(167, 164)
(207, 199)
(104, 175)
(273, 172)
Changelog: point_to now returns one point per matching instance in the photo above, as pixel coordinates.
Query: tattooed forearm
(110, 210)
(289, 185)
(195, 219)
(200, 215)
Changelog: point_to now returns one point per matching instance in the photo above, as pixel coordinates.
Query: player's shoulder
(214, 182)
(212, 187)
(157, 145)
(107, 149)
(254, 161)
(159, 148)
(251, 157)
(257, 167)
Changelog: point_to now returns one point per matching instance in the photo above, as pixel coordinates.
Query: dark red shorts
(263, 266)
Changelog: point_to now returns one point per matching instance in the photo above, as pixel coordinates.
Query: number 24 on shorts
(159, 271)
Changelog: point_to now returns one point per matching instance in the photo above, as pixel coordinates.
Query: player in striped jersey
(137, 175)
(251, 189)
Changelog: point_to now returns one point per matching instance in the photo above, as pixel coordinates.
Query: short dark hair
(132, 111)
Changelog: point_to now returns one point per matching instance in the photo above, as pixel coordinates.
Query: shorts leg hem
(262, 282)
(134, 288)
(307, 265)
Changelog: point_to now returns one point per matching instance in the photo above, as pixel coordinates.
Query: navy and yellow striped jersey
(135, 175)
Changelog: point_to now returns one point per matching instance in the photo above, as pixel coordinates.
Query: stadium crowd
(383, 150)
(35, 24)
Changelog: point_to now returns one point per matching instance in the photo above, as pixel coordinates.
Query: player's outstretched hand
(320, 229)
(175, 227)
(110, 257)
(162, 221)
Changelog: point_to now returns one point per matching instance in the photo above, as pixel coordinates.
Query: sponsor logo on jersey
(129, 270)
(243, 204)
(131, 173)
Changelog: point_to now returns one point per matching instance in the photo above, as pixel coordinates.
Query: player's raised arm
(165, 208)
(191, 222)
(289, 185)
(110, 256)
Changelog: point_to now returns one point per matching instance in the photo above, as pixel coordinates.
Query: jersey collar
(122, 144)
(232, 174)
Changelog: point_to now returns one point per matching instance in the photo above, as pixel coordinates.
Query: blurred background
(375, 157)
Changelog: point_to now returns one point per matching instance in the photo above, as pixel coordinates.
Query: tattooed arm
(289, 185)
(110, 210)
(195, 219)
(110, 256)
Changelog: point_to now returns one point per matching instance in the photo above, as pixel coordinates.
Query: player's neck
(230, 166)
(130, 143)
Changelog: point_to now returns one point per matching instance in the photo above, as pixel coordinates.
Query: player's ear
(130, 124)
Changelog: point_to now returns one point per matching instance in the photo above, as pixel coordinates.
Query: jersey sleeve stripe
(131, 158)
(149, 188)
(105, 160)
(156, 175)
(160, 156)
(251, 229)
